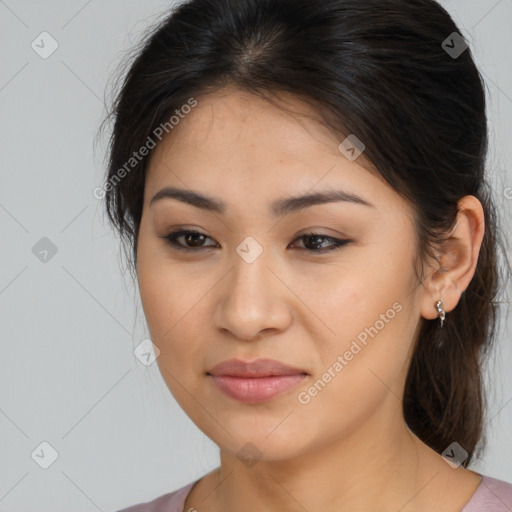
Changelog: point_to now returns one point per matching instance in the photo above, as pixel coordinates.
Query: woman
(300, 187)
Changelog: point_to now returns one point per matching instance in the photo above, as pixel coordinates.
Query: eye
(316, 239)
(190, 236)
(196, 239)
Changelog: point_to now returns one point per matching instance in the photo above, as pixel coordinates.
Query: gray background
(68, 375)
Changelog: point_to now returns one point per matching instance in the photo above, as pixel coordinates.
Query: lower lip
(256, 389)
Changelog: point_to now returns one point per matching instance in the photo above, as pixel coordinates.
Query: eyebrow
(279, 207)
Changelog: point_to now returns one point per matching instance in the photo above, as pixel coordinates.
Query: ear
(455, 268)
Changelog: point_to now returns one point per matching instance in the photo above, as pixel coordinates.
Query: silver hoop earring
(440, 312)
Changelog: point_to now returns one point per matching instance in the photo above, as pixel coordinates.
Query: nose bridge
(251, 277)
(253, 296)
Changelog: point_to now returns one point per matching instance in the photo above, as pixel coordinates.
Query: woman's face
(252, 286)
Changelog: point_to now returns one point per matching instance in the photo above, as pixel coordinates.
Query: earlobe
(458, 259)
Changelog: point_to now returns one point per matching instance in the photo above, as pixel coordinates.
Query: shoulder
(492, 495)
(170, 502)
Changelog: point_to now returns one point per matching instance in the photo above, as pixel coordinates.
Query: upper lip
(256, 368)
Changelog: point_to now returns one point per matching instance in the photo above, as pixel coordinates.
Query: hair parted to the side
(374, 68)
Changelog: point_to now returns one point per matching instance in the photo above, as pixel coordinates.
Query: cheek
(171, 308)
(164, 292)
(155, 300)
(362, 366)
(369, 315)
(175, 314)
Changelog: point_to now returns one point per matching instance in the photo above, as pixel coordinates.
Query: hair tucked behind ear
(374, 68)
(444, 398)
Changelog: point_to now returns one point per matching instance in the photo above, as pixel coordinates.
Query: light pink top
(491, 495)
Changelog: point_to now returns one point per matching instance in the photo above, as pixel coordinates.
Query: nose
(252, 300)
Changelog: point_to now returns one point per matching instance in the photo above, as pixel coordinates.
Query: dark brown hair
(374, 68)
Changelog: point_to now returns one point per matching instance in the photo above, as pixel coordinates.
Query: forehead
(235, 143)
(231, 115)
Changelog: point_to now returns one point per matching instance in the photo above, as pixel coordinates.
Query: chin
(266, 438)
(251, 450)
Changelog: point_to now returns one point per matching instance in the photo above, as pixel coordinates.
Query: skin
(349, 448)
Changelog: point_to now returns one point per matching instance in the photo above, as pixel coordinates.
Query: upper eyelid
(181, 232)
(178, 233)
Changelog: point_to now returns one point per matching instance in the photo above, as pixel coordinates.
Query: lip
(255, 381)
(256, 368)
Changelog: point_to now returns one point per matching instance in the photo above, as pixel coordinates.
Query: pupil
(194, 235)
(317, 241)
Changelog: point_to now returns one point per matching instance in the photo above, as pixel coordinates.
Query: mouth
(257, 381)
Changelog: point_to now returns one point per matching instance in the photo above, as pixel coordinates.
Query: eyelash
(170, 239)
